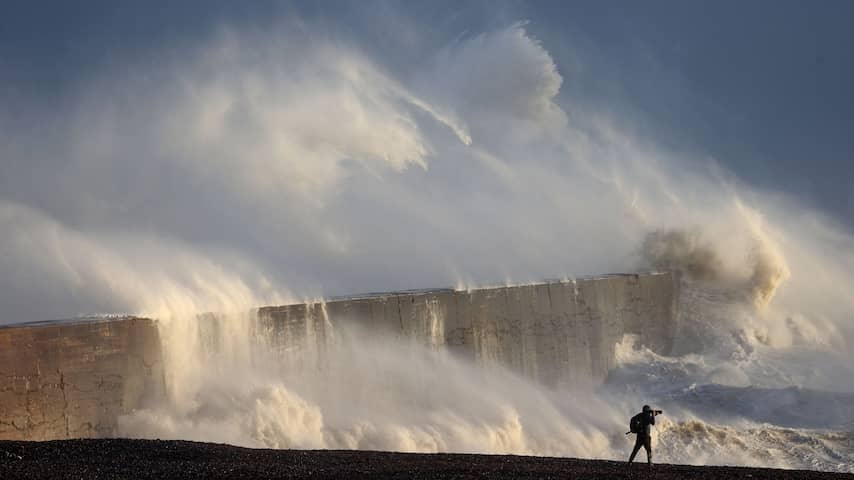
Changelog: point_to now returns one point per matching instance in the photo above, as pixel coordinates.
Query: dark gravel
(120, 458)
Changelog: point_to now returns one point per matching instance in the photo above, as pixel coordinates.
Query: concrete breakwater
(76, 378)
(73, 379)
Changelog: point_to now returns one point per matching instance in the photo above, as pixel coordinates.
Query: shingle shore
(143, 459)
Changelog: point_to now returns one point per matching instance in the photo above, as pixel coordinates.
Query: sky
(312, 147)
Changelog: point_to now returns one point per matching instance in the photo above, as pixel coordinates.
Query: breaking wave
(759, 275)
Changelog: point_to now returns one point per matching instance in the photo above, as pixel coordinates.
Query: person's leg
(647, 445)
(638, 444)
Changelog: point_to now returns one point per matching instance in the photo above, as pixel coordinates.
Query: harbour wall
(70, 379)
(73, 379)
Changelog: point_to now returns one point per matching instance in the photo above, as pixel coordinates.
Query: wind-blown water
(728, 400)
(263, 166)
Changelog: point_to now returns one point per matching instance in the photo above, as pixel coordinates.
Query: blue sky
(762, 86)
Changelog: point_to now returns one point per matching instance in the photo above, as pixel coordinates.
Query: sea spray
(373, 391)
(309, 383)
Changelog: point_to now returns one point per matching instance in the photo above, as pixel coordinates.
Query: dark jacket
(647, 419)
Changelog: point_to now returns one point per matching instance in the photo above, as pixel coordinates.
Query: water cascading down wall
(71, 379)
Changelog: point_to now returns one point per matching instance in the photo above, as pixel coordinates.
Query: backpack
(636, 424)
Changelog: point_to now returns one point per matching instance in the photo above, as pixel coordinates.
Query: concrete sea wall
(74, 379)
(558, 333)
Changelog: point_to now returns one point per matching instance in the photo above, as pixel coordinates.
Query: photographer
(640, 425)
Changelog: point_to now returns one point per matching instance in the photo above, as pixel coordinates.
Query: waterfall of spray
(302, 382)
(436, 325)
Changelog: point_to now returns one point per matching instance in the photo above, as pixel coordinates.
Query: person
(641, 425)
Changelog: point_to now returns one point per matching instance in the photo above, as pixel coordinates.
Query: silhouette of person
(644, 421)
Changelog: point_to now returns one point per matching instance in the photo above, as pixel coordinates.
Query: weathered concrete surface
(559, 333)
(73, 379)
